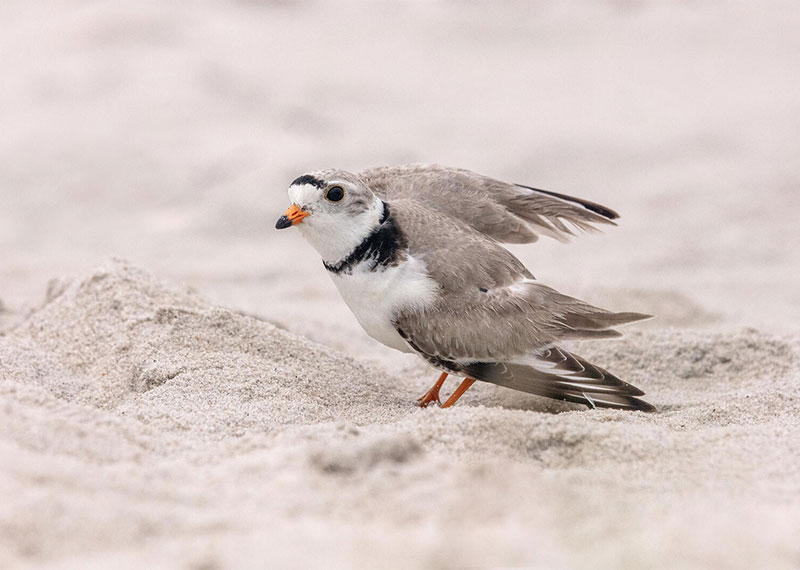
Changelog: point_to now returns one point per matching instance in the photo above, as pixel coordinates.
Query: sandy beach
(182, 387)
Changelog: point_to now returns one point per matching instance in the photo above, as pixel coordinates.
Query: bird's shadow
(499, 397)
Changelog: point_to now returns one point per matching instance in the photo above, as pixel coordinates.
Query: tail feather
(562, 375)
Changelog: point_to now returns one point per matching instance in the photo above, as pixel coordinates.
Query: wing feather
(601, 389)
(509, 213)
(491, 320)
(506, 323)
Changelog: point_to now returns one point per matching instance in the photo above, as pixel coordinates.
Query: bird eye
(334, 193)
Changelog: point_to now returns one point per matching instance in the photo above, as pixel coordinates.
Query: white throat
(336, 236)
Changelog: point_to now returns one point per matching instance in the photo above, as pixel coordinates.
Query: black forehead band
(308, 179)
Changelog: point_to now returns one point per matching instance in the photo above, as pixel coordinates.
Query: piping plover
(415, 253)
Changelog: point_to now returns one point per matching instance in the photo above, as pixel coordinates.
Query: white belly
(375, 297)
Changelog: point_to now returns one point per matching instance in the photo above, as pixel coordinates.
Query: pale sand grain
(141, 425)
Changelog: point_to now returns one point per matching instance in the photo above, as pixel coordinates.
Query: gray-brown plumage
(488, 318)
(509, 213)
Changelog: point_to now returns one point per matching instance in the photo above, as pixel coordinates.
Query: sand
(181, 386)
(141, 423)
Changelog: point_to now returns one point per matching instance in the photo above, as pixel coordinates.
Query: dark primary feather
(571, 378)
(593, 206)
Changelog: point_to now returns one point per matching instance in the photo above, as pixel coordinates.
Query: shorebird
(415, 253)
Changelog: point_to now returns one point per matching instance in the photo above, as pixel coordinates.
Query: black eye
(334, 194)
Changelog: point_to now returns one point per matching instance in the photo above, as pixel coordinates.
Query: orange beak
(293, 216)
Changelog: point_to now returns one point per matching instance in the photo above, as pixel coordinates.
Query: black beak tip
(282, 223)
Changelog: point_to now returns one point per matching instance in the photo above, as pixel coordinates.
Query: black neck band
(383, 246)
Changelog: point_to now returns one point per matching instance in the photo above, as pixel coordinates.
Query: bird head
(333, 209)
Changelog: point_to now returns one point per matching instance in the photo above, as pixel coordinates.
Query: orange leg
(463, 387)
(432, 395)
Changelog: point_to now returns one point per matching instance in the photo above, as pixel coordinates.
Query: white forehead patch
(303, 194)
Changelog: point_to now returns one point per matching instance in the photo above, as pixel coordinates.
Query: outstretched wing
(509, 213)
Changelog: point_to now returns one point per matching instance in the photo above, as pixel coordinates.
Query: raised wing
(509, 213)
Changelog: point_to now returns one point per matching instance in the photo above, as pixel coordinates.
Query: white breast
(375, 296)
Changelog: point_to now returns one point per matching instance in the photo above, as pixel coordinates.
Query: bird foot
(429, 399)
(432, 395)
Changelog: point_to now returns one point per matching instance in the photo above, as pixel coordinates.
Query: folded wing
(510, 337)
(506, 323)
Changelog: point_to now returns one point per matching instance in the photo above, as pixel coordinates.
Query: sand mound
(141, 425)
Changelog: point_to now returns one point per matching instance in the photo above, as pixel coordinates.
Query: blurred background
(167, 133)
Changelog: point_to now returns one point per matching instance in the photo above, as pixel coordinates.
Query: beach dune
(141, 424)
